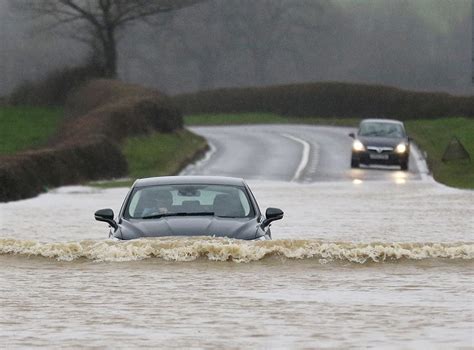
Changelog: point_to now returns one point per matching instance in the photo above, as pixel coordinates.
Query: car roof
(185, 180)
(376, 120)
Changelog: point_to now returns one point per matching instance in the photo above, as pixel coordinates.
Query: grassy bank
(158, 155)
(431, 135)
(26, 127)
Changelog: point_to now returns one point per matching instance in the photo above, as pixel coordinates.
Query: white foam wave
(222, 249)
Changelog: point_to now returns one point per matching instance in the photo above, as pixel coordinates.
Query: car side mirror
(272, 214)
(352, 135)
(106, 215)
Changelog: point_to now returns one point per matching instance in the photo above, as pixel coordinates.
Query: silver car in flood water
(190, 206)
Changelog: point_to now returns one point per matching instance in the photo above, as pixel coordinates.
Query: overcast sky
(414, 44)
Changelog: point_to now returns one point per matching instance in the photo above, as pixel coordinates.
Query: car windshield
(380, 129)
(154, 202)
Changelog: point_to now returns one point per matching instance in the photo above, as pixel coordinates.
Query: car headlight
(358, 146)
(401, 148)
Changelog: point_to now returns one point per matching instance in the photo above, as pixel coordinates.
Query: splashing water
(222, 249)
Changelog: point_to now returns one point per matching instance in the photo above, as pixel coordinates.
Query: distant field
(434, 135)
(26, 127)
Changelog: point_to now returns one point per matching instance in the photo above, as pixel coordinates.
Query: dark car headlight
(358, 146)
(401, 148)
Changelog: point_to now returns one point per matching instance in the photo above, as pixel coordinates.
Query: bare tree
(98, 23)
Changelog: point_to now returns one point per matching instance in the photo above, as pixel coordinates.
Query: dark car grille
(375, 149)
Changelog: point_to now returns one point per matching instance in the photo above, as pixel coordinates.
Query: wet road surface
(299, 153)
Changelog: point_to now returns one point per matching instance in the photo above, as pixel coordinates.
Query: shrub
(27, 174)
(330, 100)
(54, 89)
(87, 145)
(117, 110)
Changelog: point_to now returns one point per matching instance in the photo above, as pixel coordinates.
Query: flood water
(363, 264)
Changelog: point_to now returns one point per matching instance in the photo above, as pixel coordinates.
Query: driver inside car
(156, 202)
(164, 201)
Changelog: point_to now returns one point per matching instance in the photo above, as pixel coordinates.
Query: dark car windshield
(154, 202)
(381, 129)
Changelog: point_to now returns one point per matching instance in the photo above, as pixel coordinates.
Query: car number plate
(379, 156)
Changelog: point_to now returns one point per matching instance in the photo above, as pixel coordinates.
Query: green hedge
(87, 146)
(328, 100)
(55, 88)
(30, 173)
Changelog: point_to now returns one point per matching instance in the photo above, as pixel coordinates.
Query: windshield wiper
(157, 216)
(210, 213)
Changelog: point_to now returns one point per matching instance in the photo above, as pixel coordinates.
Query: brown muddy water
(365, 264)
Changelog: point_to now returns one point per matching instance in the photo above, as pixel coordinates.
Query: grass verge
(433, 136)
(158, 154)
(26, 127)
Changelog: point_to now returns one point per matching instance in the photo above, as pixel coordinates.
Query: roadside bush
(27, 174)
(54, 89)
(330, 100)
(87, 145)
(117, 110)
(100, 92)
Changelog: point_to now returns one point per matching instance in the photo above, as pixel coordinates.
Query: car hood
(380, 141)
(243, 228)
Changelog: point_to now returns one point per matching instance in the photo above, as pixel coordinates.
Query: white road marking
(304, 156)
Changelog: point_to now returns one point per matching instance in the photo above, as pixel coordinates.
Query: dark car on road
(380, 141)
(190, 206)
